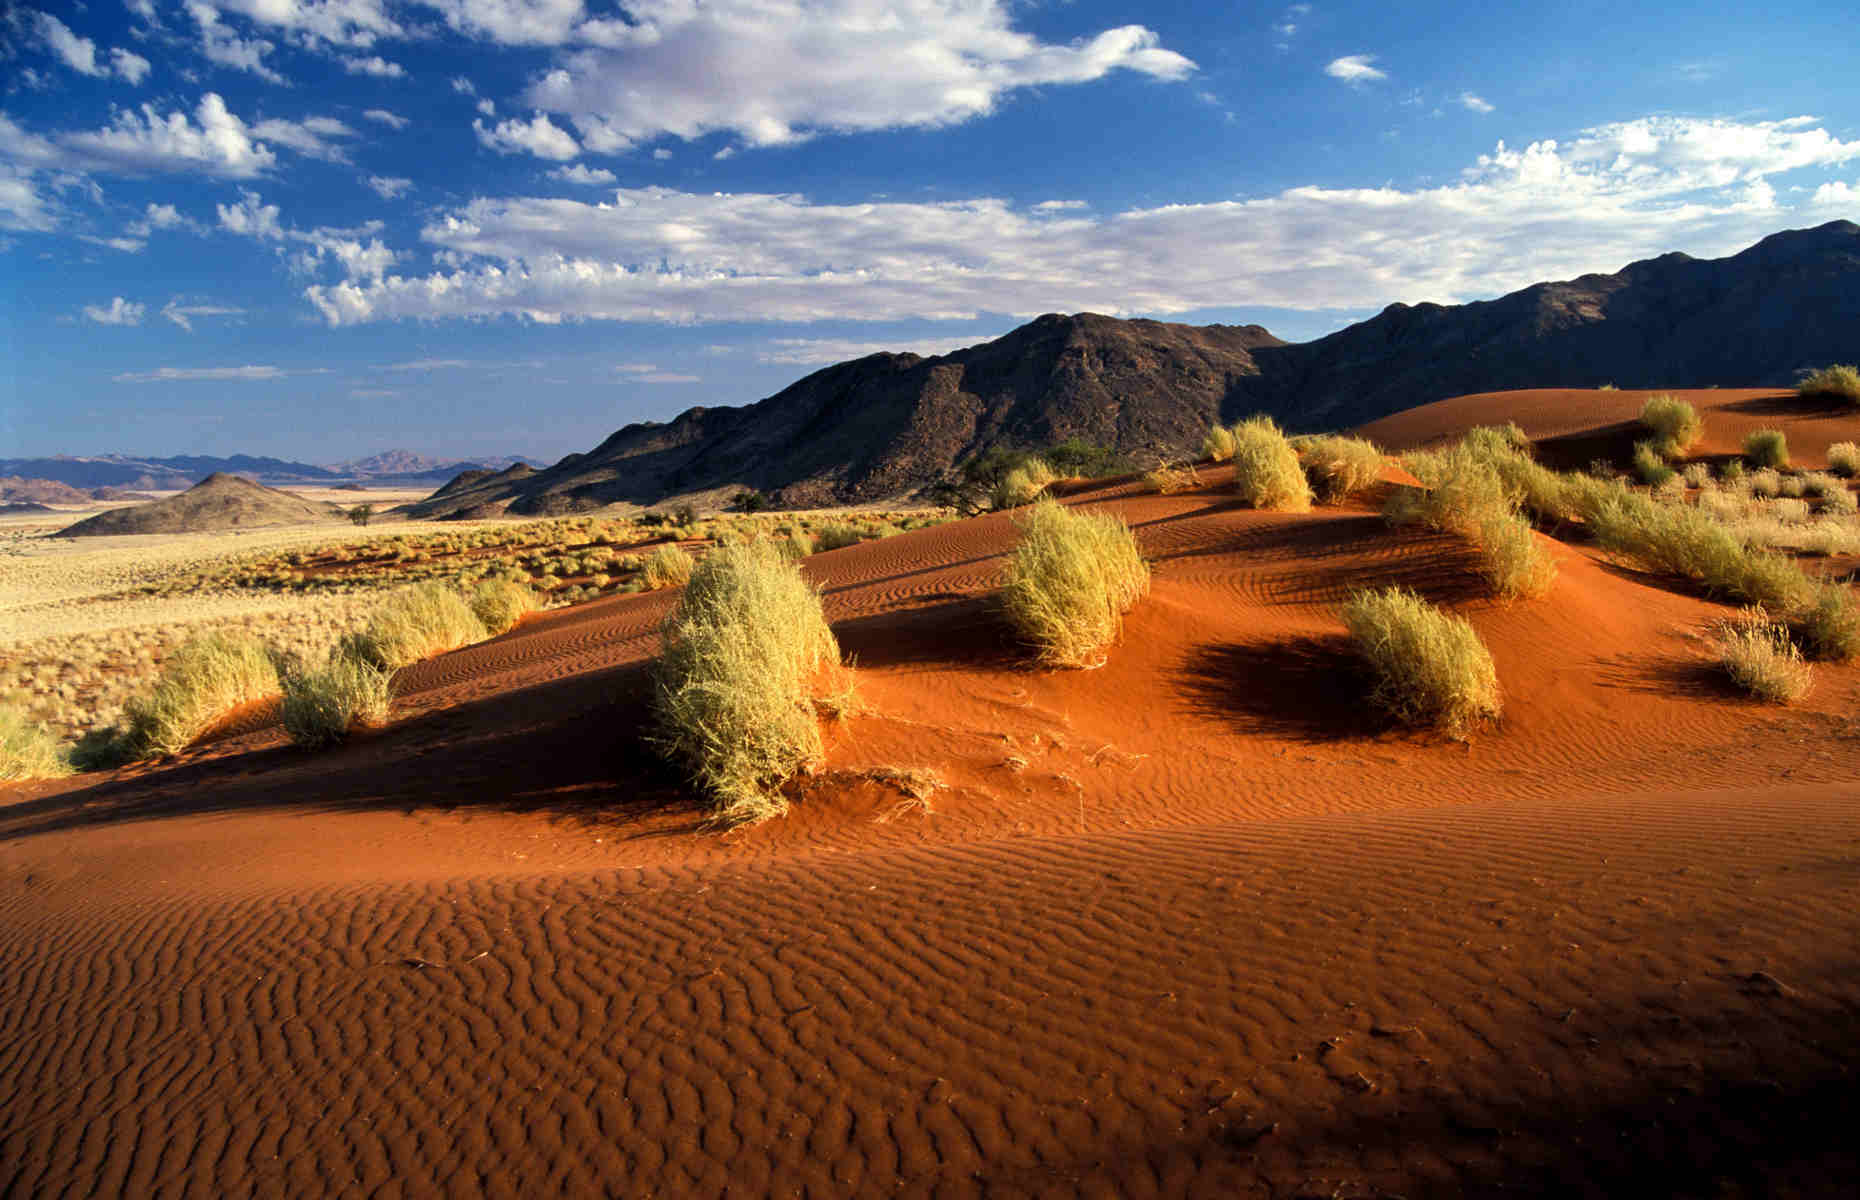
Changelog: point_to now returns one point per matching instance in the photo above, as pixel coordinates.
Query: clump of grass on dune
(1839, 382)
(1168, 480)
(1431, 668)
(1467, 495)
(1844, 458)
(735, 697)
(324, 704)
(1340, 467)
(1218, 445)
(1650, 464)
(499, 604)
(1675, 424)
(666, 567)
(1767, 448)
(1070, 580)
(27, 748)
(1828, 626)
(206, 678)
(837, 535)
(415, 624)
(1023, 484)
(1267, 473)
(1760, 658)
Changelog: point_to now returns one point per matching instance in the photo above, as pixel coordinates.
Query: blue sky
(322, 228)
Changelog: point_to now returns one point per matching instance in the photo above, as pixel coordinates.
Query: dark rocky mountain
(410, 464)
(15, 490)
(173, 474)
(220, 501)
(890, 424)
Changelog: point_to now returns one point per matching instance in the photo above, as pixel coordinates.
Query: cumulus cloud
(539, 136)
(251, 217)
(805, 352)
(216, 142)
(391, 120)
(80, 53)
(588, 176)
(162, 217)
(778, 71)
(221, 45)
(130, 66)
(1474, 103)
(388, 186)
(355, 251)
(1355, 68)
(1549, 210)
(309, 137)
(374, 65)
(23, 208)
(204, 374)
(117, 312)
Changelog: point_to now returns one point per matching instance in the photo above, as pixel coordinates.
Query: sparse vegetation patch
(1070, 580)
(1340, 467)
(1675, 424)
(1431, 668)
(1839, 382)
(1267, 473)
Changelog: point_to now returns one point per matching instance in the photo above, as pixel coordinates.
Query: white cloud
(1355, 68)
(22, 208)
(221, 144)
(359, 259)
(374, 65)
(251, 217)
(391, 120)
(205, 374)
(356, 23)
(184, 315)
(159, 216)
(1474, 103)
(463, 86)
(661, 154)
(636, 372)
(128, 245)
(388, 186)
(219, 44)
(805, 352)
(309, 137)
(588, 176)
(779, 71)
(517, 22)
(1550, 210)
(487, 107)
(118, 312)
(78, 53)
(129, 65)
(539, 136)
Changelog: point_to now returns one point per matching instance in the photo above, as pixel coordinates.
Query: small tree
(361, 514)
(749, 501)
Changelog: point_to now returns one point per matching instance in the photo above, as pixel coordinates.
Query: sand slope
(1193, 922)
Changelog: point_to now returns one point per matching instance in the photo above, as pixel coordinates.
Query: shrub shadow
(1788, 404)
(1311, 689)
(962, 629)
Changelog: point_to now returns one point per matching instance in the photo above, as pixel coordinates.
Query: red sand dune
(1194, 922)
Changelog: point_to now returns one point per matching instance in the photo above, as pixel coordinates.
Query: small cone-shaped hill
(219, 501)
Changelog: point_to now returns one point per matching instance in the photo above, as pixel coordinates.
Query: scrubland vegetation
(1069, 581)
(1339, 467)
(1430, 667)
(1839, 382)
(1675, 424)
(746, 654)
(415, 624)
(323, 704)
(1767, 448)
(28, 750)
(1267, 472)
(1759, 656)
(1478, 489)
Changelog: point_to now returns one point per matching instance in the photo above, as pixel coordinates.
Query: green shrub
(1697, 475)
(1675, 424)
(322, 705)
(27, 748)
(1218, 445)
(414, 624)
(837, 535)
(1844, 458)
(1839, 382)
(1076, 458)
(1732, 471)
(208, 677)
(1828, 627)
(1267, 473)
(1649, 465)
(1467, 495)
(1766, 482)
(1431, 669)
(1069, 581)
(1340, 467)
(734, 695)
(1759, 657)
(666, 567)
(1022, 484)
(499, 604)
(1767, 448)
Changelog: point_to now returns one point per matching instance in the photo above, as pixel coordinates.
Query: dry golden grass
(1168, 480)
(1767, 448)
(324, 704)
(1467, 493)
(28, 750)
(1839, 382)
(208, 677)
(499, 604)
(1844, 458)
(1022, 484)
(1267, 473)
(1675, 424)
(1069, 581)
(1218, 445)
(667, 567)
(1340, 467)
(1431, 668)
(1758, 655)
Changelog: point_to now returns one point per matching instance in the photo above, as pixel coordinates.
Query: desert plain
(1200, 919)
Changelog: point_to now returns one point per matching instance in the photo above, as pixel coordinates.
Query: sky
(319, 229)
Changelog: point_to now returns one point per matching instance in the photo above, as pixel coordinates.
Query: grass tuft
(1468, 494)
(1218, 445)
(1767, 448)
(1675, 424)
(499, 604)
(414, 624)
(1070, 580)
(205, 679)
(1841, 382)
(1650, 464)
(322, 705)
(1431, 668)
(1340, 467)
(1844, 458)
(736, 679)
(1167, 480)
(1760, 658)
(1828, 627)
(1022, 484)
(1267, 473)
(666, 567)
(27, 748)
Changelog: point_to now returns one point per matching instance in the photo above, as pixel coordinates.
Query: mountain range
(183, 471)
(887, 425)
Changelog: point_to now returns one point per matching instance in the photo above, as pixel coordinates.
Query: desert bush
(1022, 484)
(27, 748)
(666, 567)
(1839, 382)
(836, 535)
(1167, 480)
(1828, 627)
(1467, 495)
(208, 677)
(1837, 500)
(1844, 458)
(1511, 559)
(1076, 458)
(1340, 467)
(1675, 424)
(1431, 669)
(1792, 486)
(415, 624)
(1069, 581)
(323, 704)
(1767, 448)
(1218, 445)
(1765, 481)
(1267, 473)
(1789, 512)
(1649, 466)
(796, 543)
(1760, 658)
(734, 694)
(1697, 475)
(1732, 471)
(499, 604)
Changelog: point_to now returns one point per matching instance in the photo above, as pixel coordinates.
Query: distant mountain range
(168, 474)
(889, 424)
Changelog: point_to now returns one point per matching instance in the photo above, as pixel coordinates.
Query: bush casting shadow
(1312, 689)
